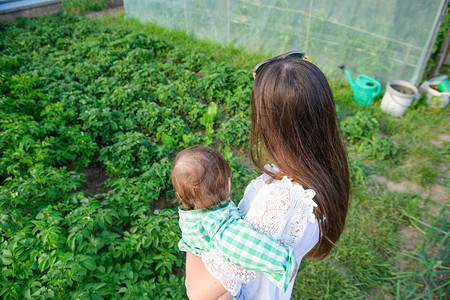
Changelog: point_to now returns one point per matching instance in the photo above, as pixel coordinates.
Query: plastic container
(444, 86)
(398, 97)
(434, 98)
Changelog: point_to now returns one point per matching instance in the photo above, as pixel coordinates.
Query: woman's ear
(229, 185)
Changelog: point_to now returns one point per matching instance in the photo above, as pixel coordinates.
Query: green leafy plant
(235, 132)
(80, 7)
(207, 119)
(377, 147)
(361, 125)
(363, 134)
(131, 152)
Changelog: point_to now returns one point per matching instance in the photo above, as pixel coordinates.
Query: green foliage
(79, 98)
(207, 119)
(80, 7)
(358, 173)
(361, 125)
(131, 152)
(377, 147)
(82, 96)
(235, 132)
(422, 151)
(361, 258)
(363, 134)
(437, 45)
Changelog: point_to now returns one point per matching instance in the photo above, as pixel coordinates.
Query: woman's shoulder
(281, 209)
(264, 194)
(264, 186)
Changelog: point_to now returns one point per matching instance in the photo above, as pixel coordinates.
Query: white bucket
(398, 97)
(436, 98)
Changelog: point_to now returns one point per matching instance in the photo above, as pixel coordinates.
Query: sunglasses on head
(296, 53)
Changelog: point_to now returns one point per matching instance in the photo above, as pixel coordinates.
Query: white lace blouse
(282, 210)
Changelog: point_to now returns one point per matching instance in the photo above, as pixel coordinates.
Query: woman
(301, 200)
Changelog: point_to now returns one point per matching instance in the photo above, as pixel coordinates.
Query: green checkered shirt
(222, 229)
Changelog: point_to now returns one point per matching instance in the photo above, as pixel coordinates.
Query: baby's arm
(230, 276)
(196, 241)
(200, 284)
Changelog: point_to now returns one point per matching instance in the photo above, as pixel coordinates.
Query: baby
(211, 224)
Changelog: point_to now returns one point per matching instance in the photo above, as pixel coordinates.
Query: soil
(444, 137)
(158, 204)
(435, 192)
(413, 236)
(95, 177)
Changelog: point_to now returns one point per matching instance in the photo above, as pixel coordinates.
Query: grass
(370, 260)
(361, 258)
(80, 7)
(430, 261)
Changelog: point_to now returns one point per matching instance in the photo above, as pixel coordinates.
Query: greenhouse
(387, 40)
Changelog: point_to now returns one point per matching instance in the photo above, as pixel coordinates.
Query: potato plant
(74, 95)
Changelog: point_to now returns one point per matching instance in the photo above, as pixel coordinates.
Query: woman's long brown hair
(295, 127)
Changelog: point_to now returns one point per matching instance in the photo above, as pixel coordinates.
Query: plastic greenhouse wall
(385, 39)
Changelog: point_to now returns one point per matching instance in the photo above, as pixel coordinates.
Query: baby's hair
(200, 177)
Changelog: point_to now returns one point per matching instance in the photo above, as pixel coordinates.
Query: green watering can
(364, 88)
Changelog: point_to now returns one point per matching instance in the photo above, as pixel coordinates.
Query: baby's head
(201, 177)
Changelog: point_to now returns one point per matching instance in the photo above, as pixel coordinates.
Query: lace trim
(231, 276)
(279, 209)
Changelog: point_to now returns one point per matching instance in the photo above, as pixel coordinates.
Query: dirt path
(435, 192)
